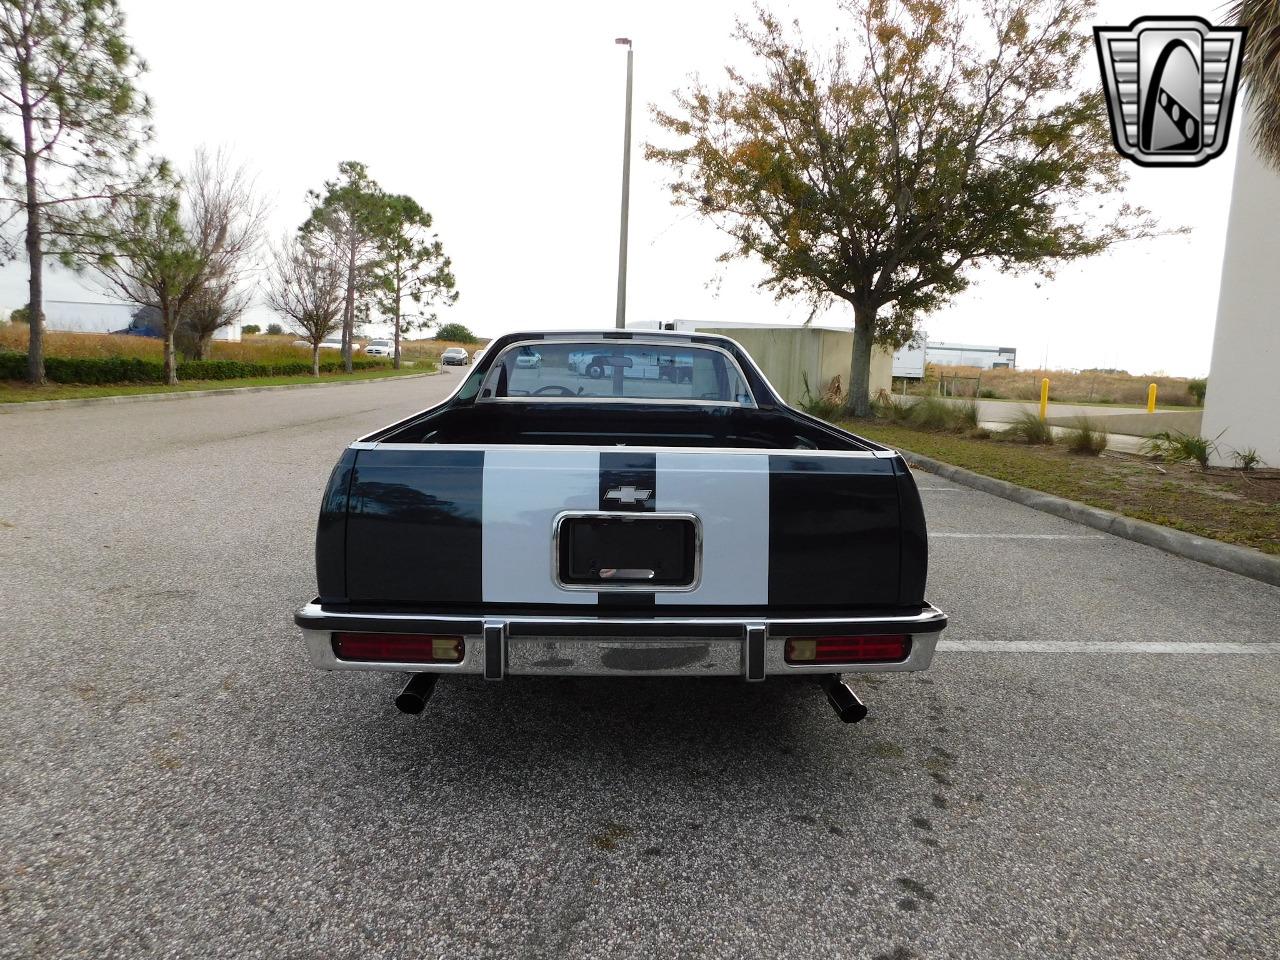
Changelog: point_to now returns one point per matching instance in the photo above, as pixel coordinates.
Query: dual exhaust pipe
(413, 698)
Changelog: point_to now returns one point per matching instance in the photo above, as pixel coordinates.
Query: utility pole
(626, 196)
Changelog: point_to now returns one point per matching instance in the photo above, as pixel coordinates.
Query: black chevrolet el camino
(620, 504)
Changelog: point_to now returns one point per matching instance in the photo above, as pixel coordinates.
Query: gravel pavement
(175, 781)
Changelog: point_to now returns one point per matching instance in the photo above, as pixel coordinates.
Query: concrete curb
(1226, 556)
(20, 405)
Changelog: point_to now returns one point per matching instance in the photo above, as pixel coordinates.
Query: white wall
(1243, 399)
(790, 355)
(229, 333)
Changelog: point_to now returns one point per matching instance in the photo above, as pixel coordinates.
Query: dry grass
(254, 348)
(1066, 387)
(431, 349)
(1086, 438)
(1027, 427)
(16, 392)
(1236, 506)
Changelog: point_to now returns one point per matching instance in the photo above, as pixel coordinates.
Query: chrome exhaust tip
(413, 698)
(842, 699)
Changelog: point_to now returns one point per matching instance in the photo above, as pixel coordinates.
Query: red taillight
(881, 649)
(398, 647)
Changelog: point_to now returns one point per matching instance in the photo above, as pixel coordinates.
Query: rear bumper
(497, 646)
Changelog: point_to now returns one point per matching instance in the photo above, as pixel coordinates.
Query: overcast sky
(505, 121)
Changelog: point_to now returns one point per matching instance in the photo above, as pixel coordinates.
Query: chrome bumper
(495, 647)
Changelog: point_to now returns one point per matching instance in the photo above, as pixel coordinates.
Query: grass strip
(1226, 505)
(12, 391)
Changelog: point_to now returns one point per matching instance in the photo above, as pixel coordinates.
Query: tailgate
(617, 527)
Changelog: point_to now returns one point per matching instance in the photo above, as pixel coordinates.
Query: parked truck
(545, 521)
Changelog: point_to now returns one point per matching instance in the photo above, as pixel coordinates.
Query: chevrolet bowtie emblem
(628, 494)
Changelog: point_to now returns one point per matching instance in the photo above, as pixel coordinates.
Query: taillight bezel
(378, 647)
(847, 650)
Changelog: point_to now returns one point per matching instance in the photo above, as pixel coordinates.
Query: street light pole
(626, 196)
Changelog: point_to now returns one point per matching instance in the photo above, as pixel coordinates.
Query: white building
(75, 316)
(971, 355)
(1242, 405)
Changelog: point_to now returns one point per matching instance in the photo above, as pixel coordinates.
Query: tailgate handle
(626, 573)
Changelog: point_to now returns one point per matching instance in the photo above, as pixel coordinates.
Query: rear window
(616, 370)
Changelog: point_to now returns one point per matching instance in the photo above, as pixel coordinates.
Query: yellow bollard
(1044, 398)
(1151, 398)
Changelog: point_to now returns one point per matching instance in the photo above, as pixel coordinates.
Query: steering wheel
(554, 389)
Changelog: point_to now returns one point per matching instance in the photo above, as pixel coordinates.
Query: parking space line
(1020, 536)
(1105, 646)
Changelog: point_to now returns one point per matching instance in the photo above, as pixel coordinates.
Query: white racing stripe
(1105, 646)
(730, 494)
(523, 492)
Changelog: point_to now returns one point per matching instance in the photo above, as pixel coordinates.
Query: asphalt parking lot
(176, 781)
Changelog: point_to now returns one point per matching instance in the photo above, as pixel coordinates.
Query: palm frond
(1261, 71)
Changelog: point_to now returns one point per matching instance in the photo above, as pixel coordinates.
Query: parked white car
(380, 348)
(327, 345)
(528, 357)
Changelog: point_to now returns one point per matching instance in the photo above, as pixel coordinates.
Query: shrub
(456, 332)
(1178, 447)
(988, 394)
(1028, 428)
(13, 366)
(1086, 438)
(888, 407)
(965, 416)
(1247, 458)
(1197, 390)
(251, 328)
(928, 413)
(931, 413)
(825, 407)
(274, 329)
(102, 370)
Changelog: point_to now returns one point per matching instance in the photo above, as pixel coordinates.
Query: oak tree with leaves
(884, 169)
(72, 126)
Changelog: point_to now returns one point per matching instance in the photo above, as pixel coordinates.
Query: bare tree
(308, 288)
(164, 251)
(218, 304)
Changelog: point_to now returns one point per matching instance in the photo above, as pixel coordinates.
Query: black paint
(414, 530)
(833, 532)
